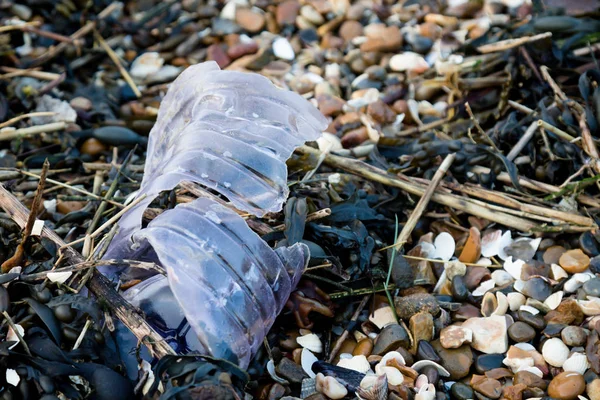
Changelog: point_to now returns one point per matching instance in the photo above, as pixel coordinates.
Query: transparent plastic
(231, 132)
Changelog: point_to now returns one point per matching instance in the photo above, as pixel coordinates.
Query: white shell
(393, 375)
(311, 342)
(576, 281)
(307, 359)
(529, 309)
(274, 376)
(12, 377)
(424, 363)
(330, 387)
(357, 363)
(590, 307)
(501, 277)
(518, 364)
(577, 363)
(534, 370)
(383, 317)
(514, 268)
(426, 392)
(484, 287)
(444, 246)
(60, 277)
(555, 352)
(505, 241)
(11, 336)
(515, 300)
(558, 272)
(554, 300)
(392, 355)
(502, 304)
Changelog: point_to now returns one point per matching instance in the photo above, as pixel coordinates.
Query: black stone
(432, 374)
(486, 362)
(460, 291)
(460, 391)
(291, 371)
(536, 321)
(308, 36)
(553, 330)
(595, 265)
(425, 351)
(588, 244)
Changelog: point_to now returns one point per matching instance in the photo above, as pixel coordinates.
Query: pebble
(472, 250)
(536, 321)
(287, 11)
(291, 371)
(425, 351)
(537, 288)
(250, 20)
(381, 38)
(330, 105)
(529, 379)
(363, 348)
(488, 362)
(461, 391)
(592, 287)
(93, 147)
(312, 15)
(573, 336)
(595, 265)
(350, 29)
(553, 253)
(574, 261)
(491, 388)
(454, 336)
(216, 53)
(241, 49)
(521, 332)
(407, 306)
(283, 49)
(489, 334)
(408, 61)
(421, 328)
(381, 112)
(460, 292)
(593, 389)
(390, 338)
(588, 244)
(457, 361)
(81, 103)
(567, 313)
(566, 386)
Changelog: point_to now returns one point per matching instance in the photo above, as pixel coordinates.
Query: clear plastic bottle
(231, 132)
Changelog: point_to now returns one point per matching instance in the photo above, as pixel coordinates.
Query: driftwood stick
(99, 285)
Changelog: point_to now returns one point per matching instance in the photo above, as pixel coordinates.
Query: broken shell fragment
(554, 300)
(419, 365)
(311, 342)
(330, 387)
(356, 363)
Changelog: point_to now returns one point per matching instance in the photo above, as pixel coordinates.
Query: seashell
(441, 282)
(311, 342)
(502, 277)
(502, 301)
(554, 300)
(494, 242)
(426, 392)
(424, 363)
(357, 363)
(534, 370)
(538, 305)
(392, 355)
(555, 352)
(307, 359)
(373, 387)
(11, 336)
(444, 246)
(394, 376)
(483, 288)
(271, 369)
(578, 362)
(515, 300)
(558, 273)
(308, 387)
(421, 381)
(517, 364)
(330, 387)
(329, 142)
(529, 309)
(488, 304)
(383, 317)
(427, 249)
(590, 307)
(12, 377)
(576, 281)
(514, 268)
(505, 241)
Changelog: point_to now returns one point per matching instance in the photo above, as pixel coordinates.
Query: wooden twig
(480, 129)
(33, 73)
(17, 258)
(459, 203)
(32, 130)
(512, 43)
(344, 335)
(99, 285)
(28, 115)
(520, 145)
(115, 59)
(423, 201)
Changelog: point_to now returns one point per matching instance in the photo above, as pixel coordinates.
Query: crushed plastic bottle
(231, 132)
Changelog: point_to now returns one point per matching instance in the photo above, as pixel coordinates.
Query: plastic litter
(231, 132)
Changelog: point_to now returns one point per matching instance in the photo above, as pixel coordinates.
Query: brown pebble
(242, 49)
(553, 253)
(568, 313)
(574, 261)
(354, 137)
(92, 147)
(381, 112)
(499, 373)
(514, 392)
(363, 348)
(81, 103)
(330, 105)
(216, 53)
(529, 379)
(287, 12)
(250, 20)
(566, 386)
(491, 388)
(65, 207)
(472, 250)
(385, 39)
(593, 389)
(351, 29)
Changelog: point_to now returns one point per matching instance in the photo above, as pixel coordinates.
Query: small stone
(407, 306)
(291, 371)
(592, 287)
(457, 361)
(381, 112)
(461, 391)
(499, 373)
(472, 250)
(21, 11)
(574, 336)
(574, 261)
(421, 328)
(460, 291)
(308, 36)
(250, 20)
(283, 49)
(363, 348)
(93, 147)
(588, 244)
(408, 61)
(488, 387)
(425, 351)
(242, 49)
(567, 313)
(382, 39)
(536, 288)
(529, 379)
(287, 12)
(553, 253)
(514, 392)
(593, 389)
(81, 103)
(454, 336)
(536, 321)
(489, 334)
(354, 137)
(522, 249)
(488, 362)
(521, 332)
(390, 338)
(350, 29)
(566, 386)
(215, 52)
(65, 207)
(595, 265)
(312, 15)
(330, 105)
